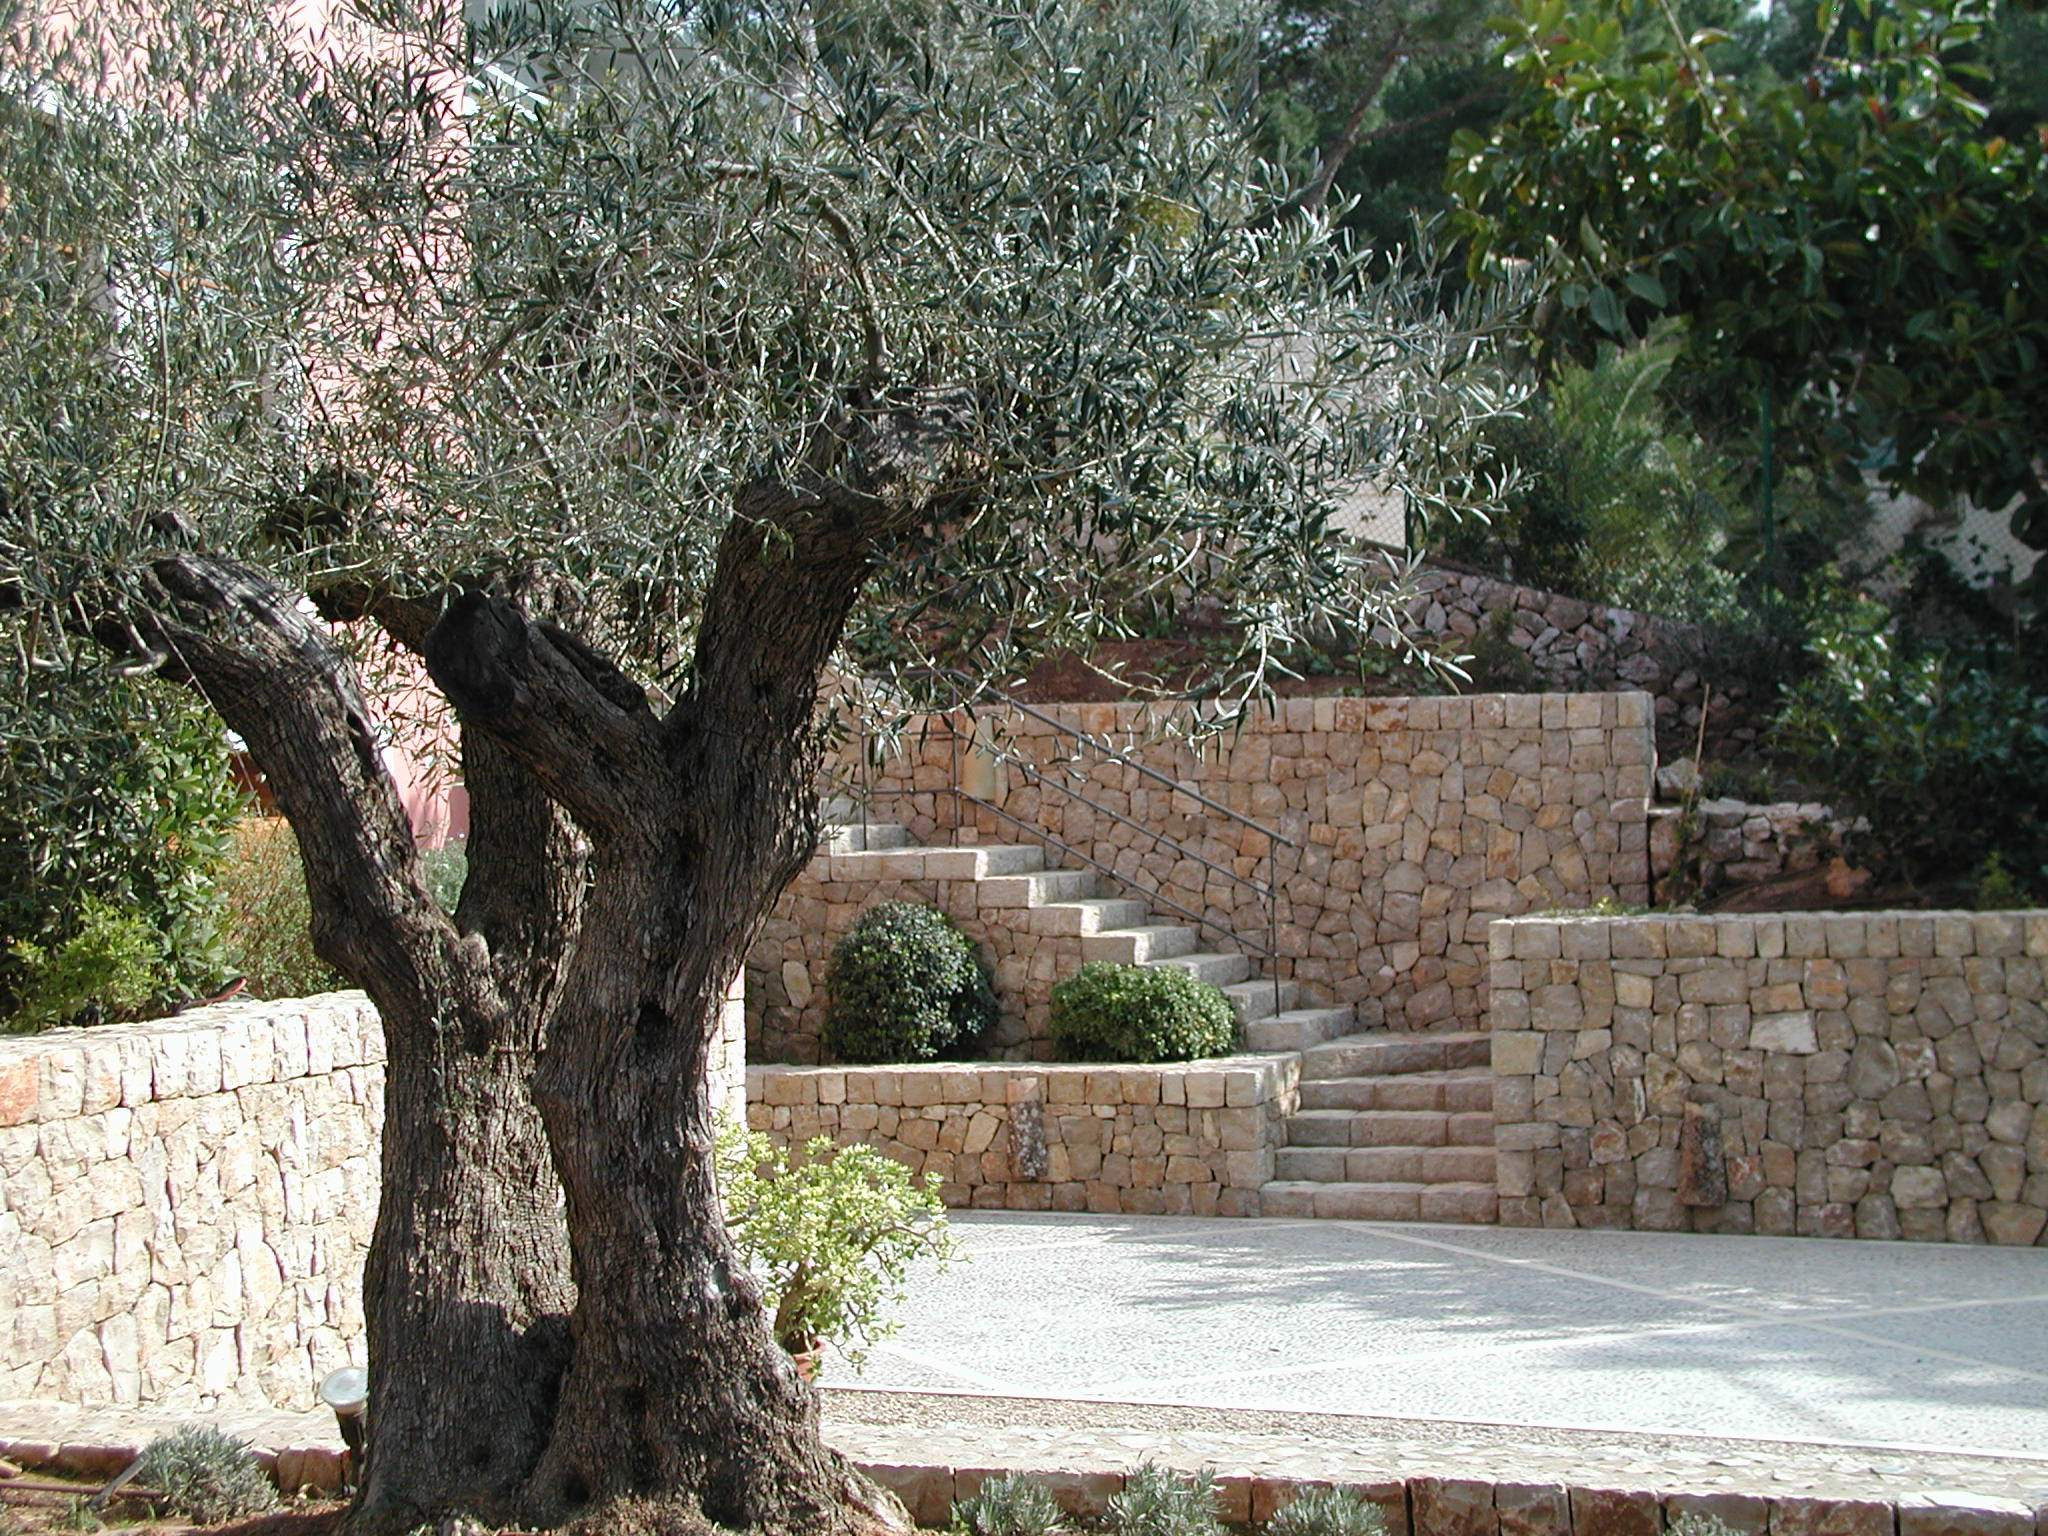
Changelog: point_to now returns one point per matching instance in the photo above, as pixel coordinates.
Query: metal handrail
(1036, 775)
(1116, 755)
(1269, 892)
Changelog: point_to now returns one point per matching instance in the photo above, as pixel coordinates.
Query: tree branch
(1333, 158)
(280, 682)
(577, 723)
(1434, 115)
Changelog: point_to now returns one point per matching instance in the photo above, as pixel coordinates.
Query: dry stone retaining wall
(1578, 645)
(1419, 820)
(1876, 1075)
(188, 1202)
(1185, 1139)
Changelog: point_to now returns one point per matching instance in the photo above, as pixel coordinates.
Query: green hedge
(906, 985)
(1140, 1013)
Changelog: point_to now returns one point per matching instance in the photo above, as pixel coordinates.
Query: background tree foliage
(1853, 242)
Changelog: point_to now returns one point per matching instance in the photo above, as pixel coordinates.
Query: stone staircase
(1392, 1127)
(1069, 901)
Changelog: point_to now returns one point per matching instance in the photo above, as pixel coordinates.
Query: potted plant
(831, 1237)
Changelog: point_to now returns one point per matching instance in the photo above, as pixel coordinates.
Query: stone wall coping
(62, 1074)
(1271, 1066)
(1234, 1082)
(2017, 932)
(1393, 712)
(1413, 1504)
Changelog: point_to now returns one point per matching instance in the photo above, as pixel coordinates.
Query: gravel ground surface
(1366, 1352)
(1942, 1346)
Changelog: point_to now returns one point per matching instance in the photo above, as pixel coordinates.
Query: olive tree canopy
(630, 366)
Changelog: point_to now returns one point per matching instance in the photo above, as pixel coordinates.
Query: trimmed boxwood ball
(1109, 1012)
(906, 985)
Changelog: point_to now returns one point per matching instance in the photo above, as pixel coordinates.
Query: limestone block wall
(187, 1203)
(1803, 853)
(1846, 1074)
(1419, 821)
(1188, 1138)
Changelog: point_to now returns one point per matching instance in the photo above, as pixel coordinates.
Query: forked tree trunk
(675, 1389)
(675, 1385)
(466, 1288)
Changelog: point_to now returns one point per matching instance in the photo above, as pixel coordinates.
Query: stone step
(978, 863)
(1036, 888)
(1369, 1128)
(906, 863)
(1389, 1128)
(1384, 1165)
(1214, 966)
(1298, 1028)
(1256, 999)
(1472, 1128)
(853, 837)
(1381, 1052)
(1473, 1204)
(1140, 945)
(1460, 1091)
(1090, 915)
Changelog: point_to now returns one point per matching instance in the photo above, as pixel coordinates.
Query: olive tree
(635, 369)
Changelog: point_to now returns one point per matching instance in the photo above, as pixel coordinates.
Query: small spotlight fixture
(347, 1392)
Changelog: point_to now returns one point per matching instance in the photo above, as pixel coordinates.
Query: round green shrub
(906, 985)
(1108, 1012)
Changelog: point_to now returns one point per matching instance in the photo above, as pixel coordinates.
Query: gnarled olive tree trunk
(674, 1388)
(466, 1289)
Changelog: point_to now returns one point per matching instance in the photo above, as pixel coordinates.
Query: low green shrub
(112, 967)
(1156, 1502)
(1329, 1512)
(269, 924)
(1140, 1013)
(1012, 1505)
(205, 1476)
(906, 985)
(831, 1238)
(115, 795)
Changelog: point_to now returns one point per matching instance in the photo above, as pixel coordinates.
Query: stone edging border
(1416, 1506)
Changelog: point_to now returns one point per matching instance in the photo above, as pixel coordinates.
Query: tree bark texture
(675, 1387)
(466, 1287)
(540, 1345)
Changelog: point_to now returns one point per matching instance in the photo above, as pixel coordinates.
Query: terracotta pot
(809, 1362)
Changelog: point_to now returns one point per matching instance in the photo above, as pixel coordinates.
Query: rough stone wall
(188, 1202)
(1725, 847)
(1419, 821)
(1877, 1075)
(1576, 645)
(1184, 1139)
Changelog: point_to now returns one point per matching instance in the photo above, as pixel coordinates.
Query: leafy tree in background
(1852, 246)
(1363, 95)
(707, 348)
(116, 805)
